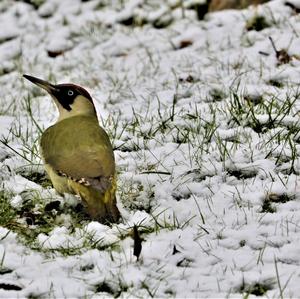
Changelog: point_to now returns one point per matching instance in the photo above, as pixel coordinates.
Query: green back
(78, 147)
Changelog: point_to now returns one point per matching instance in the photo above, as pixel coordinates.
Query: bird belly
(60, 183)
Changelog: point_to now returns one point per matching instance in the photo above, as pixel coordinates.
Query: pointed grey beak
(41, 83)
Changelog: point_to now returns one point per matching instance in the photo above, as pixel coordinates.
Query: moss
(35, 216)
(254, 99)
(104, 287)
(271, 198)
(8, 213)
(216, 95)
(242, 243)
(267, 207)
(201, 9)
(242, 173)
(87, 267)
(280, 198)
(35, 3)
(257, 23)
(276, 83)
(257, 289)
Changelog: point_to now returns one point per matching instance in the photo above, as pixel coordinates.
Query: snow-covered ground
(204, 119)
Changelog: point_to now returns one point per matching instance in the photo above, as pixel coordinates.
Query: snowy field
(204, 119)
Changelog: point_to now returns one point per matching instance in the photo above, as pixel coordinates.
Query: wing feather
(80, 149)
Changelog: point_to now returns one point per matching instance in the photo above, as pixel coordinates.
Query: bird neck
(81, 106)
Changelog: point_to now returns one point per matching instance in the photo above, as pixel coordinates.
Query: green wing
(79, 148)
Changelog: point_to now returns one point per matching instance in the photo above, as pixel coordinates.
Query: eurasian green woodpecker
(77, 153)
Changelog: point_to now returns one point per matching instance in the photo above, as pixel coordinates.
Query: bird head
(70, 99)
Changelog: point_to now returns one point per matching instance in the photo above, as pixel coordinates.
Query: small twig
(282, 55)
(156, 172)
(5, 235)
(137, 246)
(273, 44)
(263, 53)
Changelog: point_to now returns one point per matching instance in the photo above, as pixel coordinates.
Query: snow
(205, 126)
(18, 184)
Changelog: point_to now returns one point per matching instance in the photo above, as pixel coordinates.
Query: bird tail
(101, 206)
(112, 211)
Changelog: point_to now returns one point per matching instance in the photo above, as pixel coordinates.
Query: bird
(77, 153)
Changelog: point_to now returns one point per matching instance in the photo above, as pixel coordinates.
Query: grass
(36, 216)
(193, 130)
(208, 144)
(8, 214)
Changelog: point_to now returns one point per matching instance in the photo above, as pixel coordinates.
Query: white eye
(70, 92)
